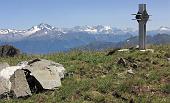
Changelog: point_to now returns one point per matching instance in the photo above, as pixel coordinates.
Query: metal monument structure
(142, 17)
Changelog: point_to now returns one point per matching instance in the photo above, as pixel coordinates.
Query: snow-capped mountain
(163, 29)
(28, 32)
(15, 35)
(42, 30)
(45, 38)
(99, 29)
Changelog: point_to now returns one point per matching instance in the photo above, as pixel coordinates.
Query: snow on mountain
(32, 31)
(99, 29)
(104, 29)
(4, 31)
(37, 28)
(28, 32)
(50, 31)
(45, 26)
(45, 38)
(7, 31)
(162, 28)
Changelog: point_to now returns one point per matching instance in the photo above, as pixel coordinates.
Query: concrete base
(123, 50)
(127, 50)
(150, 50)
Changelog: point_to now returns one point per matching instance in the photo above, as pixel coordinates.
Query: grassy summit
(94, 77)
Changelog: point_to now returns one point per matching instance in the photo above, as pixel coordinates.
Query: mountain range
(45, 38)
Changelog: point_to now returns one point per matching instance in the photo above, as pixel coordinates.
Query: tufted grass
(97, 78)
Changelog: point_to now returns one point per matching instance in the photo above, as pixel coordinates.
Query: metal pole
(142, 18)
(142, 28)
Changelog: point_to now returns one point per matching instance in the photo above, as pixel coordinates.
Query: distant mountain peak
(45, 26)
(98, 29)
(46, 29)
(42, 26)
(39, 27)
(163, 28)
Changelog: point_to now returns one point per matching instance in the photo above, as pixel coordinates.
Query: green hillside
(95, 77)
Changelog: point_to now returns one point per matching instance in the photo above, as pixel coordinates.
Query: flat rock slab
(46, 73)
(19, 84)
(47, 78)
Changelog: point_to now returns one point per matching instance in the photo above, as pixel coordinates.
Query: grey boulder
(47, 72)
(19, 84)
(29, 77)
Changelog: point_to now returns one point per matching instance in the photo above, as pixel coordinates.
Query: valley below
(44, 38)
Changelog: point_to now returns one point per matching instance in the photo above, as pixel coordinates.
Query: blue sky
(22, 14)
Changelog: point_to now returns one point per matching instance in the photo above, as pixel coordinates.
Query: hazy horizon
(24, 14)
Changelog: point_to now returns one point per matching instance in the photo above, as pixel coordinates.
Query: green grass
(97, 76)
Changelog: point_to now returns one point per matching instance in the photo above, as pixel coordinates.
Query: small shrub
(166, 88)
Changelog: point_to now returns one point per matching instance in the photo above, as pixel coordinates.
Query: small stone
(112, 52)
(134, 65)
(130, 71)
(103, 76)
(168, 59)
(122, 62)
(118, 95)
